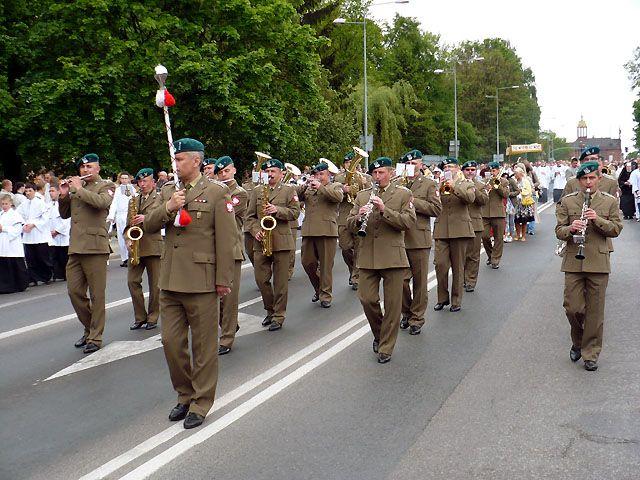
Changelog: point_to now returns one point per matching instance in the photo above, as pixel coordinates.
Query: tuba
(333, 169)
(134, 233)
(351, 176)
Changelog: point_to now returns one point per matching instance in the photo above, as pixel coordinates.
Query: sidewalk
(525, 411)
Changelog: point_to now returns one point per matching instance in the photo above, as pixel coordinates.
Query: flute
(65, 181)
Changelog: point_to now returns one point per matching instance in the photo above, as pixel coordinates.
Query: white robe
(10, 241)
(36, 212)
(60, 225)
(118, 215)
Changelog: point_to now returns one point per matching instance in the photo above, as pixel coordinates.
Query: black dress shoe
(90, 348)
(274, 326)
(575, 354)
(439, 306)
(590, 366)
(469, 288)
(495, 267)
(125, 263)
(415, 330)
(325, 304)
(376, 344)
(222, 350)
(315, 298)
(267, 321)
(193, 420)
(488, 261)
(82, 341)
(384, 358)
(151, 326)
(237, 328)
(354, 286)
(455, 308)
(136, 325)
(178, 412)
(404, 323)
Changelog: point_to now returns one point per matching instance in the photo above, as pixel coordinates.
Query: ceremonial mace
(165, 100)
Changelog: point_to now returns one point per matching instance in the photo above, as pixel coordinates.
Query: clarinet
(365, 220)
(581, 237)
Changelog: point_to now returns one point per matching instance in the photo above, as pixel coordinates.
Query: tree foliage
(633, 67)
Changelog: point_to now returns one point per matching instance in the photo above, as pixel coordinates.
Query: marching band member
(472, 258)
(494, 215)
(118, 212)
(607, 183)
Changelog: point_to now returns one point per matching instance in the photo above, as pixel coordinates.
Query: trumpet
(446, 188)
(362, 232)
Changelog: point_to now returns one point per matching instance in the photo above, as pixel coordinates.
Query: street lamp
(455, 98)
(342, 21)
(496, 96)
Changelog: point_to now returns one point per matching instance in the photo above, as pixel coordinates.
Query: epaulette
(609, 195)
(217, 182)
(168, 183)
(403, 188)
(572, 194)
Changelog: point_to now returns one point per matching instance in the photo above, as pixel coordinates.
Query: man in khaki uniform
(607, 184)
(225, 171)
(472, 259)
(281, 202)
(149, 251)
(388, 211)
(87, 203)
(248, 186)
(452, 232)
(320, 231)
(197, 269)
(493, 215)
(585, 281)
(347, 240)
(417, 239)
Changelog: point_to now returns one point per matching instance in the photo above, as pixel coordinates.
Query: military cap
(144, 173)
(411, 155)
(320, 167)
(209, 161)
(589, 151)
(188, 145)
(587, 167)
(222, 163)
(379, 163)
(450, 161)
(88, 158)
(272, 162)
(469, 164)
(493, 165)
(348, 157)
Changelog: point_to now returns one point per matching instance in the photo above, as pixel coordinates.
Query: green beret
(143, 173)
(88, 158)
(469, 164)
(589, 151)
(188, 145)
(222, 163)
(272, 162)
(320, 167)
(411, 155)
(450, 161)
(493, 165)
(209, 161)
(348, 157)
(587, 167)
(379, 163)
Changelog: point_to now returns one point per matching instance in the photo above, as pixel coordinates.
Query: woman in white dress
(14, 276)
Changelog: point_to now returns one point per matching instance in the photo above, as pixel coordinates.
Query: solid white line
(29, 299)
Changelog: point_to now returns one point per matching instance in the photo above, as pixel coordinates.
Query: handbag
(527, 201)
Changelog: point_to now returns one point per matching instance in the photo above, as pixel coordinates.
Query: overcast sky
(576, 49)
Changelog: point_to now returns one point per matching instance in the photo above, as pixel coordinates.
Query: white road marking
(28, 299)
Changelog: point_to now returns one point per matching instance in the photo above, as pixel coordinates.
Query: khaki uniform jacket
(426, 201)
(240, 201)
(514, 190)
(600, 231)
(248, 187)
(199, 256)
(285, 198)
(384, 246)
(495, 206)
(88, 208)
(345, 207)
(321, 209)
(475, 209)
(150, 245)
(607, 185)
(454, 220)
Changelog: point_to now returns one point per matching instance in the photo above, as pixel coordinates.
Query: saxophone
(134, 233)
(267, 223)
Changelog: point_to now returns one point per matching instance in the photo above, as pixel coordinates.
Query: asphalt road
(480, 394)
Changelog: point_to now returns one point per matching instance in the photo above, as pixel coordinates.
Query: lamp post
(342, 21)
(496, 96)
(455, 98)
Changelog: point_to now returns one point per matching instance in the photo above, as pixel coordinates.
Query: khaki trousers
(348, 243)
(450, 254)
(195, 385)
(134, 281)
(415, 306)
(472, 260)
(229, 309)
(317, 256)
(584, 297)
(383, 326)
(88, 271)
(292, 253)
(274, 298)
(494, 253)
(248, 245)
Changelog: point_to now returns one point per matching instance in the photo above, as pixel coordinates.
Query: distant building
(610, 148)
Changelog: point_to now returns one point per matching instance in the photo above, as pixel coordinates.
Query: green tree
(633, 67)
